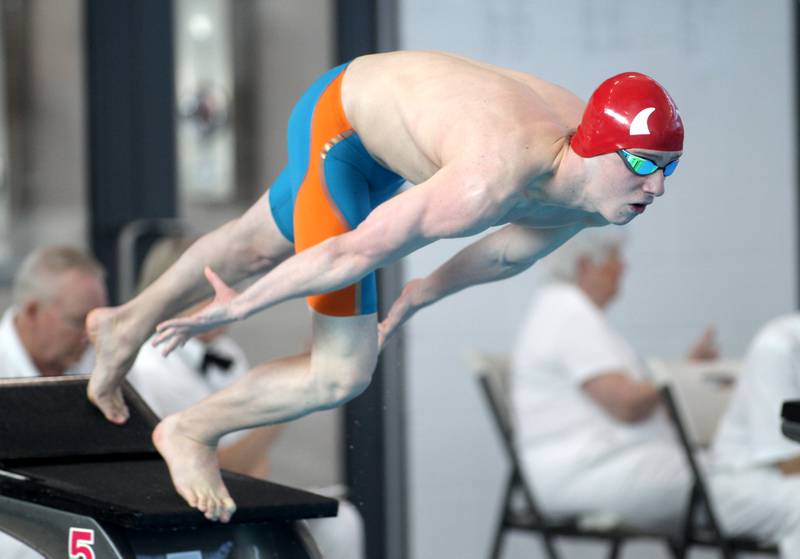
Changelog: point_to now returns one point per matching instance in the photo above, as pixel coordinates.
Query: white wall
(718, 247)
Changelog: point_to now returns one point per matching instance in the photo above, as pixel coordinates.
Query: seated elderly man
(43, 333)
(754, 468)
(590, 431)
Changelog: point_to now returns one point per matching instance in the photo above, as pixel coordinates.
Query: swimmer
(483, 146)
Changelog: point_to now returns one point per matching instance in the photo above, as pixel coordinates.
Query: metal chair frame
(708, 533)
(531, 519)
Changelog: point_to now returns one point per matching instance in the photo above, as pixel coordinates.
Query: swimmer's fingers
(164, 332)
(397, 315)
(385, 330)
(188, 326)
(196, 322)
(160, 338)
(384, 335)
(168, 330)
(171, 346)
(411, 300)
(172, 338)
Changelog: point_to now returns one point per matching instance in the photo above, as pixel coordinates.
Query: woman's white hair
(37, 276)
(595, 243)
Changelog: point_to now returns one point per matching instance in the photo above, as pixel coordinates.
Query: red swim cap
(629, 110)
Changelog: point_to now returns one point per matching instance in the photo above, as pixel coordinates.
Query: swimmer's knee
(336, 385)
(343, 358)
(334, 391)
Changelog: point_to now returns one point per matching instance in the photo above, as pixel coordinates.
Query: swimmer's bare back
(418, 111)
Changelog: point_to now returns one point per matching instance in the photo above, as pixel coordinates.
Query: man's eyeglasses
(643, 166)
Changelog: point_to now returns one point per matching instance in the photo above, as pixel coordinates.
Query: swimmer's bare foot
(116, 347)
(194, 469)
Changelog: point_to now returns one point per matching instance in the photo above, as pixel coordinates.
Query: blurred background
(123, 119)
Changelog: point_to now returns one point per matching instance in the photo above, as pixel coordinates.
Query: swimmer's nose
(654, 184)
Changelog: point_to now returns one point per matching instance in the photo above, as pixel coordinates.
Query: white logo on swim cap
(639, 123)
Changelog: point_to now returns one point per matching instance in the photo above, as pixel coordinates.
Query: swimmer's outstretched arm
(499, 255)
(452, 203)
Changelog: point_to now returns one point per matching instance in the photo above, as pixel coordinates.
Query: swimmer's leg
(251, 244)
(343, 356)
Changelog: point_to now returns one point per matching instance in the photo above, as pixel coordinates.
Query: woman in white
(590, 430)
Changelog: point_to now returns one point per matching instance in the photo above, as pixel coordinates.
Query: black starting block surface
(51, 418)
(138, 494)
(59, 451)
(790, 414)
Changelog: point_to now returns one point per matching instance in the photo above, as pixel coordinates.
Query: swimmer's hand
(706, 347)
(404, 307)
(175, 332)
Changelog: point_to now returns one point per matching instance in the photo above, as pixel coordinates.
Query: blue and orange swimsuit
(330, 184)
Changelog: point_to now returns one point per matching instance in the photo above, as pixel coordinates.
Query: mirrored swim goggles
(643, 166)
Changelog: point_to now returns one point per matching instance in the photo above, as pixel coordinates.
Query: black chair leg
(497, 544)
(549, 546)
(616, 546)
(677, 550)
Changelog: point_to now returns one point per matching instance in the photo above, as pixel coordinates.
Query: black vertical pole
(131, 128)
(374, 422)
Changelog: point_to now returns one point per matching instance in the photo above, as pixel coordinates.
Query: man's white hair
(595, 243)
(36, 278)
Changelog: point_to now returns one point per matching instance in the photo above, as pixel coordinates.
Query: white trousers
(646, 486)
(760, 503)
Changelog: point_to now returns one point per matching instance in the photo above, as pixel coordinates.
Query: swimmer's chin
(619, 219)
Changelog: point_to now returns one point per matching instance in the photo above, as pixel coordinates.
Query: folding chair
(491, 373)
(704, 530)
